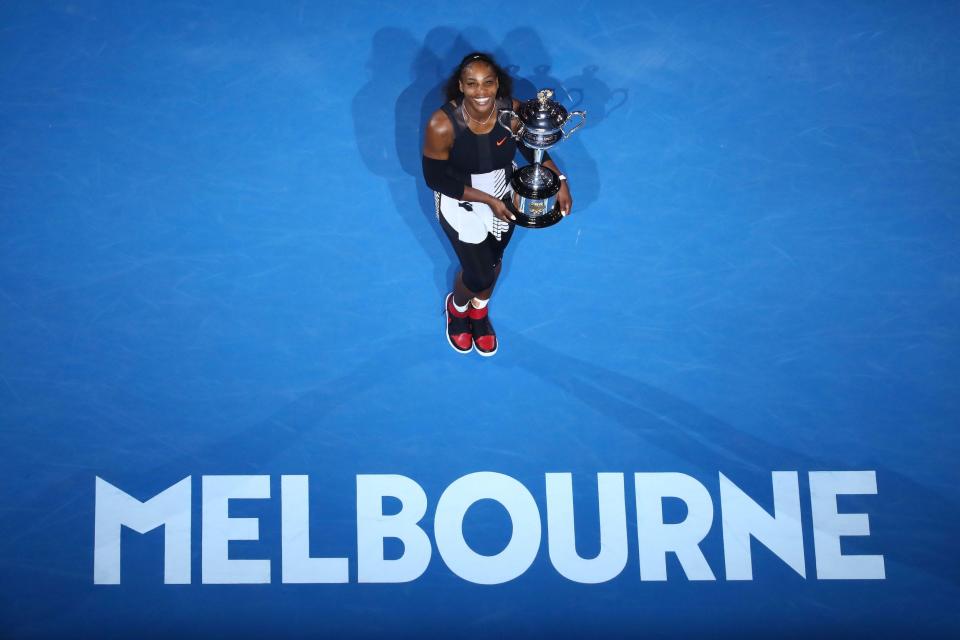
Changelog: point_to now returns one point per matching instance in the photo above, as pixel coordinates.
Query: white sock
(453, 301)
(478, 303)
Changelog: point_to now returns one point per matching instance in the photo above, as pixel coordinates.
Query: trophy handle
(615, 92)
(508, 127)
(583, 119)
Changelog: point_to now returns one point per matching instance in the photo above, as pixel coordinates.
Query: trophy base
(533, 221)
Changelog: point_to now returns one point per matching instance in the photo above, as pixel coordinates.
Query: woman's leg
(486, 293)
(484, 337)
(479, 267)
(462, 295)
(472, 287)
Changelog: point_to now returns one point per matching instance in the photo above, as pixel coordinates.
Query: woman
(468, 162)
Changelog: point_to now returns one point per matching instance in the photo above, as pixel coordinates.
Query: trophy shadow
(532, 69)
(389, 119)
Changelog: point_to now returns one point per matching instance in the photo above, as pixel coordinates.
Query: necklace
(463, 109)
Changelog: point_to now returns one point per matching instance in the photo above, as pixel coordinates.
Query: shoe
(459, 334)
(484, 337)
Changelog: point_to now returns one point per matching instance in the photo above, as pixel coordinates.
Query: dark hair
(453, 83)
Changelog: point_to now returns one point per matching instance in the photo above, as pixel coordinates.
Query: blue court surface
(727, 396)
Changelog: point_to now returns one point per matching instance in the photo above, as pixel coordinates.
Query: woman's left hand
(564, 199)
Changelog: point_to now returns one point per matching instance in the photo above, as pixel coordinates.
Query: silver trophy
(535, 187)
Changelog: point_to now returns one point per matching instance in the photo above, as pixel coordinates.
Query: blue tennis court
(727, 394)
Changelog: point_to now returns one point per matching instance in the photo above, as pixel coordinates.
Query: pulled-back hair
(504, 90)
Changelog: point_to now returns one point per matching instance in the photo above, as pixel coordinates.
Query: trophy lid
(543, 112)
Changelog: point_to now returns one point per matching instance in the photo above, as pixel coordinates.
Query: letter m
(116, 509)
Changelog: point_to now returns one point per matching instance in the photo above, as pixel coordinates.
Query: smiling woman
(468, 162)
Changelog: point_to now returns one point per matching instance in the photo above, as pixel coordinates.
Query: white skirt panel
(474, 220)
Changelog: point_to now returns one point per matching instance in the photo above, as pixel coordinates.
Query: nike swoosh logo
(501, 140)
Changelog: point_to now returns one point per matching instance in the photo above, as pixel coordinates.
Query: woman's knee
(478, 282)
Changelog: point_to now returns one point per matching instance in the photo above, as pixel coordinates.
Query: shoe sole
(446, 318)
(487, 354)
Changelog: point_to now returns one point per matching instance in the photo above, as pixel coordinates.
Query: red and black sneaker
(458, 328)
(484, 337)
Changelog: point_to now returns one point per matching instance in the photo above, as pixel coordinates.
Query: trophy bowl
(541, 121)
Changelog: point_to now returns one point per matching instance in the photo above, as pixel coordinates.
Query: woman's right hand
(500, 209)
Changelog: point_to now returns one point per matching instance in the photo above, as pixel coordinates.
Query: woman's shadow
(388, 124)
(390, 114)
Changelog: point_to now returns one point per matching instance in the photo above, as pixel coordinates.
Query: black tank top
(474, 153)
